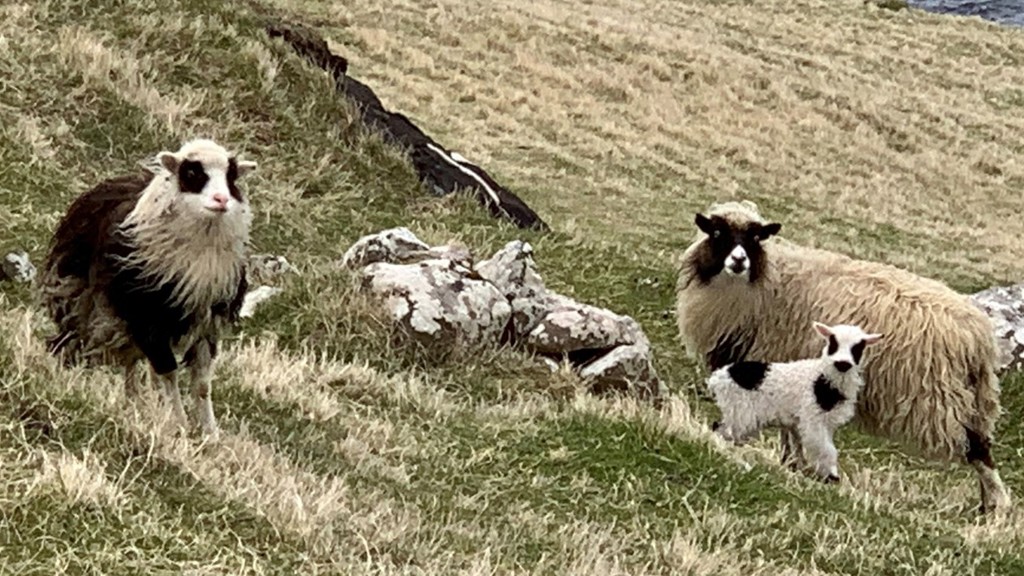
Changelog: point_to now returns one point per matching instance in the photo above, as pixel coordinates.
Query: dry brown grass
(620, 119)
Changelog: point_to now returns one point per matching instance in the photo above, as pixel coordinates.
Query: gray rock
(443, 297)
(17, 267)
(254, 297)
(392, 245)
(512, 270)
(440, 302)
(1005, 306)
(264, 268)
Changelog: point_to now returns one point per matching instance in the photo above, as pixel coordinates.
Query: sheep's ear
(872, 338)
(245, 166)
(170, 161)
(704, 223)
(822, 329)
(770, 229)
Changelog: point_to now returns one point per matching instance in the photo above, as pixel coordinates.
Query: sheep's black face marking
(733, 249)
(826, 395)
(857, 351)
(748, 375)
(232, 177)
(192, 177)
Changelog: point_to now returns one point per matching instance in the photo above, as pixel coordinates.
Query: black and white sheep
(930, 385)
(811, 397)
(150, 267)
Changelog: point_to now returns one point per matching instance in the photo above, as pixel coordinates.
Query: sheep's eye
(716, 234)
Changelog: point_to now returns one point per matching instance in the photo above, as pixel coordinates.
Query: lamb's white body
(810, 397)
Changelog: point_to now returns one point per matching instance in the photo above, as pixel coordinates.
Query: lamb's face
(732, 248)
(845, 345)
(206, 177)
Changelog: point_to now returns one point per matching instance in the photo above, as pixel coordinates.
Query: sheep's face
(206, 177)
(846, 344)
(732, 248)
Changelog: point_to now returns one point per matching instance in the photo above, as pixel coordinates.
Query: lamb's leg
(994, 495)
(820, 450)
(734, 431)
(792, 451)
(200, 359)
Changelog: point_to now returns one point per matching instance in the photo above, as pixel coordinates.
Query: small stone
(18, 268)
(391, 245)
(255, 297)
(263, 268)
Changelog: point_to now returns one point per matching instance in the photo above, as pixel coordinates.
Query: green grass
(345, 454)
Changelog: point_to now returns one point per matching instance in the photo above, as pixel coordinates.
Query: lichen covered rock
(438, 295)
(439, 301)
(17, 267)
(1005, 306)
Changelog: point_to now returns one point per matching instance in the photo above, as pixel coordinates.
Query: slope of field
(888, 135)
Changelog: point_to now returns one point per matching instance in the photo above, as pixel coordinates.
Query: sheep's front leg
(132, 375)
(820, 450)
(172, 394)
(200, 360)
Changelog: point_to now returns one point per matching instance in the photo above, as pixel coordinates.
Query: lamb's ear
(872, 338)
(245, 166)
(704, 223)
(770, 229)
(170, 161)
(822, 329)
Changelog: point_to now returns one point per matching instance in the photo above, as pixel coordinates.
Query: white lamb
(811, 397)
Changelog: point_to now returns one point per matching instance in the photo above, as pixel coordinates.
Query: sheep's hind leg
(979, 455)
(200, 361)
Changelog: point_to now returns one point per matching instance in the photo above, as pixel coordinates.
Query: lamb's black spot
(748, 375)
(191, 176)
(826, 395)
(833, 345)
(979, 448)
(857, 350)
(458, 286)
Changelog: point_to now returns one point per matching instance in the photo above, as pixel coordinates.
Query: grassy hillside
(887, 135)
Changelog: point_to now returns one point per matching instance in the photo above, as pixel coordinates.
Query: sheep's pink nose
(220, 202)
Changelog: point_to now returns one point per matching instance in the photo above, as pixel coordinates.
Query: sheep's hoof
(832, 479)
(715, 425)
(211, 436)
